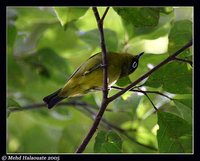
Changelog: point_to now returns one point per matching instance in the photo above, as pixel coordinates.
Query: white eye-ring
(134, 65)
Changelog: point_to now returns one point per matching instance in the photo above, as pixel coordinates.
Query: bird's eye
(134, 65)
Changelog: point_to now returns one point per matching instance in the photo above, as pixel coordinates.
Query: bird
(89, 75)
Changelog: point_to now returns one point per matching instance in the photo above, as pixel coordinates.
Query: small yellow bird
(89, 75)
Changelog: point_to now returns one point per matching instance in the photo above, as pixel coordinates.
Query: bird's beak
(139, 55)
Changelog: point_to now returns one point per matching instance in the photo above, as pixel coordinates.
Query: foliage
(46, 44)
(172, 81)
(174, 135)
(68, 14)
(140, 16)
(107, 142)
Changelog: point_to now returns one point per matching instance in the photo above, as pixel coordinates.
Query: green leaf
(183, 13)
(27, 16)
(128, 102)
(173, 77)
(99, 140)
(166, 10)
(28, 43)
(107, 142)
(44, 143)
(150, 32)
(12, 103)
(140, 16)
(48, 63)
(185, 111)
(185, 99)
(92, 39)
(180, 34)
(123, 81)
(12, 32)
(59, 40)
(68, 14)
(174, 134)
(15, 77)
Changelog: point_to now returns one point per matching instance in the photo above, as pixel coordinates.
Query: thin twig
(104, 102)
(42, 105)
(70, 103)
(183, 60)
(104, 15)
(141, 91)
(28, 107)
(149, 100)
(159, 93)
(167, 60)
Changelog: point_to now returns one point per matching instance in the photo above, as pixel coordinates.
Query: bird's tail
(52, 99)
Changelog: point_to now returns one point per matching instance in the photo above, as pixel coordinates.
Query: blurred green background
(46, 44)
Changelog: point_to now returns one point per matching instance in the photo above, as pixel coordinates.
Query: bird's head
(130, 65)
(134, 62)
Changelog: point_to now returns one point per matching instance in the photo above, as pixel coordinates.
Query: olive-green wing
(93, 63)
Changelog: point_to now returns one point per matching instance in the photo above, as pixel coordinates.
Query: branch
(167, 60)
(70, 103)
(105, 13)
(141, 91)
(150, 100)
(184, 60)
(104, 102)
(41, 105)
(104, 53)
(145, 93)
(28, 107)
